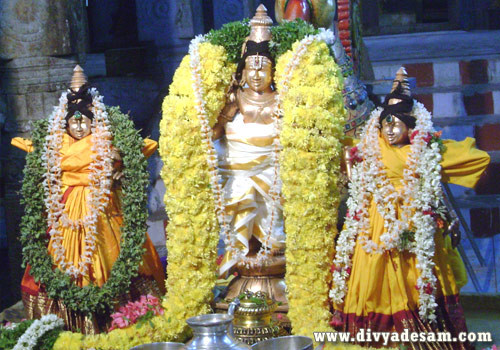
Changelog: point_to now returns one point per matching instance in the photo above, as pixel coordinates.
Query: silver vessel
(213, 332)
(159, 346)
(291, 342)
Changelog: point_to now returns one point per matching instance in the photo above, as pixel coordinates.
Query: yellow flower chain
(313, 121)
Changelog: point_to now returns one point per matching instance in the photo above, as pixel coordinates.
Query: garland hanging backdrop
(58, 284)
(310, 87)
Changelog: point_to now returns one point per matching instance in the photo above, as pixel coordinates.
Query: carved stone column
(39, 43)
(233, 10)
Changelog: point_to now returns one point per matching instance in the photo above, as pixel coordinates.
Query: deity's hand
(454, 231)
(229, 111)
(347, 161)
(117, 165)
(226, 115)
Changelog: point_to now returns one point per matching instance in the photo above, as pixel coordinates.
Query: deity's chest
(258, 111)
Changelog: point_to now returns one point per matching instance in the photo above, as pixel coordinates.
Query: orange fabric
(24, 144)
(385, 283)
(75, 162)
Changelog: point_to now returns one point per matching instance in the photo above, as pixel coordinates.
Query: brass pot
(252, 319)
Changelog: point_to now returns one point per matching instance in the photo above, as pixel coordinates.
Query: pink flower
(279, 316)
(219, 259)
(119, 321)
(428, 289)
(133, 311)
(336, 320)
(355, 217)
(354, 154)
(413, 135)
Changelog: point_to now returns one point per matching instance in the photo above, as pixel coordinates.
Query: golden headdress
(257, 43)
(400, 79)
(399, 101)
(79, 97)
(79, 79)
(260, 25)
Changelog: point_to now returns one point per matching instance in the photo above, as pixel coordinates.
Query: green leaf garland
(232, 36)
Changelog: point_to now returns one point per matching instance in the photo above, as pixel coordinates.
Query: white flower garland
(421, 191)
(28, 340)
(206, 131)
(99, 182)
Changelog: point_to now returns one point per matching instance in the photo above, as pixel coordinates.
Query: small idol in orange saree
(78, 156)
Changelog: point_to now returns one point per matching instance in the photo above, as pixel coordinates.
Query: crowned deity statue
(246, 133)
(396, 267)
(85, 253)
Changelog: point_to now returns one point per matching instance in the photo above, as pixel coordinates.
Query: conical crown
(79, 79)
(260, 25)
(401, 77)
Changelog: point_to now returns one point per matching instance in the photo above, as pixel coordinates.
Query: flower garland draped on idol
(313, 118)
(85, 252)
(193, 196)
(310, 87)
(394, 269)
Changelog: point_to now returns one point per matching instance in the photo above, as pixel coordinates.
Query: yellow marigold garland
(193, 231)
(313, 119)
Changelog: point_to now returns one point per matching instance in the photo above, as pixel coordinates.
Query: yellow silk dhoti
(247, 170)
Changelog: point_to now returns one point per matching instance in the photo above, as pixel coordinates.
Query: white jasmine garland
(99, 182)
(230, 238)
(206, 133)
(38, 328)
(421, 191)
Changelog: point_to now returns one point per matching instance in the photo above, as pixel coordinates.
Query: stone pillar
(233, 10)
(169, 26)
(40, 41)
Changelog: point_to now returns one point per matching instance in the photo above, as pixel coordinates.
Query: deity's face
(78, 126)
(395, 131)
(258, 73)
